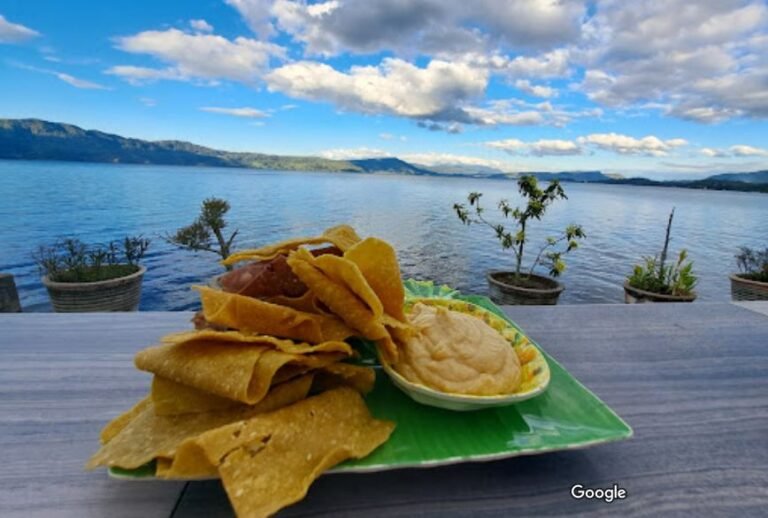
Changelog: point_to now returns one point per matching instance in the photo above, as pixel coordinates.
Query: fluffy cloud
(431, 27)
(626, 145)
(436, 92)
(436, 159)
(353, 153)
(742, 150)
(536, 90)
(14, 32)
(706, 59)
(201, 25)
(250, 113)
(537, 148)
(198, 56)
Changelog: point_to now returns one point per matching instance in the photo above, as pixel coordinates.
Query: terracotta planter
(537, 291)
(747, 289)
(637, 296)
(120, 294)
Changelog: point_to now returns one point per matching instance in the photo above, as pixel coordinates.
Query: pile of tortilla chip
(260, 394)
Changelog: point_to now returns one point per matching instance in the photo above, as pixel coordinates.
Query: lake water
(42, 201)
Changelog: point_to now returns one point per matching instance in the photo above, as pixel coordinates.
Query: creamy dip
(457, 353)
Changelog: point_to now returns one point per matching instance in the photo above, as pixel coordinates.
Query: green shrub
(551, 254)
(71, 260)
(753, 264)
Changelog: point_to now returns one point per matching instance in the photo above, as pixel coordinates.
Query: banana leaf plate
(565, 416)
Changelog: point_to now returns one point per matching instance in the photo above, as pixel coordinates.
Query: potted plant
(210, 224)
(519, 286)
(82, 277)
(752, 282)
(658, 281)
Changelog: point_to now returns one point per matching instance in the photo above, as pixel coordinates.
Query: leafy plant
(209, 225)
(656, 276)
(753, 264)
(71, 260)
(551, 254)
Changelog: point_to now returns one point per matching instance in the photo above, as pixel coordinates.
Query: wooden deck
(691, 379)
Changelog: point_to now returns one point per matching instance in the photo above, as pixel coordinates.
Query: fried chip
(341, 236)
(172, 398)
(234, 337)
(377, 261)
(147, 436)
(282, 454)
(339, 298)
(243, 372)
(269, 461)
(118, 423)
(254, 316)
(335, 375)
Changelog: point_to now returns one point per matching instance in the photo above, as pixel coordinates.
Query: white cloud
(706, 59)
(390, 136)
(427, 27)
(251, 113)
(142, 75)
(14, 32)
(626, 145)
(148, 102)
(198, 56)
(742, 150)
(545, 66)
(435, 159)
(542, 147)
(67, 78)
(79, 83)
(201, 25)
(438, 91)
(354, 153)
(536, 90)
(257, 14)
(712, 152)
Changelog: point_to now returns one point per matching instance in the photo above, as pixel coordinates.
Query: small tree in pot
(752, 281)
(658, 281)
(199, 236)
(82, 278)
(519, 286)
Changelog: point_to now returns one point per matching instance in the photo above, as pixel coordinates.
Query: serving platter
(565, 416)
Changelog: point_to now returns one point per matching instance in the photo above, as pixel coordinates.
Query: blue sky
(667, 89)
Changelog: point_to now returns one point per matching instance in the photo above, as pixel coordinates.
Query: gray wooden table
(692, 380)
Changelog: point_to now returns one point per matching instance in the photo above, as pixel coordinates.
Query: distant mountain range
(34, 139)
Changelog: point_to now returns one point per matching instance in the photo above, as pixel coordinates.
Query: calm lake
(42, 201)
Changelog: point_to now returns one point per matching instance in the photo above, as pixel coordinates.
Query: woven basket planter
(746, 289)
(637, 296)
(545, 291)
(120, 294)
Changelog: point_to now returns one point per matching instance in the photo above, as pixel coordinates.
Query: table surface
(691, 379)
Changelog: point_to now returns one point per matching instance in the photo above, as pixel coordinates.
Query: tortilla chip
(118, 423)
(341, 236)
(337, 296)
(377, 261)
(148, 436)
(306, 302)
(276, 459)
(243, 372)
(254, 316)
(357, 377)
(344, 271)
(235, 337)
(172, 398)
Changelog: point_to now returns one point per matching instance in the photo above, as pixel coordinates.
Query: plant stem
(666, 246)
(520, 252)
